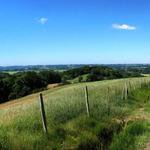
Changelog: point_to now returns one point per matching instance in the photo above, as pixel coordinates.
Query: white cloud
(43, 20)
(123, 27)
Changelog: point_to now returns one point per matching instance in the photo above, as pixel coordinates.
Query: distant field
(68, 125)
(10, 72)
(146, 75)
(13, 72)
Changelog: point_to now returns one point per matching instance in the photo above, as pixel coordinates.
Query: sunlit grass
(68, 125)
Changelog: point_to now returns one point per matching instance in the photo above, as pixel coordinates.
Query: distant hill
(21, 83)
(96, 73)
(38, 67)
(140, 68)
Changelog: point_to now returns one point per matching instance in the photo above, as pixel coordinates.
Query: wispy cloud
(123, 27)
(43, 20)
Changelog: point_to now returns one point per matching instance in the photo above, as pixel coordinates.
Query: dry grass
(65, 105)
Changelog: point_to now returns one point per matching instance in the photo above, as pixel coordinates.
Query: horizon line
(75, 64)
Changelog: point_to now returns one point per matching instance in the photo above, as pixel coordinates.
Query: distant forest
(20, 84)
(140, 68)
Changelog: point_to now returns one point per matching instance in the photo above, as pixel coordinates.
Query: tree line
(24, 83)
(96, 73)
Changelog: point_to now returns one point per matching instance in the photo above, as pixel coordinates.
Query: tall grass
(130, 138)
(68, 126)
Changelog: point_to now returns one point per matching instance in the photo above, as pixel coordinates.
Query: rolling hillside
(68, 124)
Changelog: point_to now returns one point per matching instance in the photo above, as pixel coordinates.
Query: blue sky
(74, 32)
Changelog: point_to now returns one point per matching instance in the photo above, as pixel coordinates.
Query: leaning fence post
(87, 101)
(43, 115)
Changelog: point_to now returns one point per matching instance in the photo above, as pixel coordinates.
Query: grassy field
(10, 72)
(76, 80)
(115, 122)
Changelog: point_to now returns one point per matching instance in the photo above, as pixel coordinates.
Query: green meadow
(119, 117)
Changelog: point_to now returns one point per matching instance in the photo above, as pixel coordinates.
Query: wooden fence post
(43, 115)
(87, 101)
